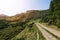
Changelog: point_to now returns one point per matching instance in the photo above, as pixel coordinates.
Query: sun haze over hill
(12, 7)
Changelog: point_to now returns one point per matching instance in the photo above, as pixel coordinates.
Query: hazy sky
(12, 7)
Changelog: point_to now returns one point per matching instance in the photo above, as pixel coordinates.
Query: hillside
(3, 16)
(12, 25)
(26, 26)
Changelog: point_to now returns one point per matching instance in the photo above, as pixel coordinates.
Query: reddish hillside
(3, 16)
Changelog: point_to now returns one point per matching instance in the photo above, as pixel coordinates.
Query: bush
(1, 27)
(21, 39)
(58, 23)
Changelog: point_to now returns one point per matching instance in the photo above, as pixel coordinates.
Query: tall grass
(29, 33)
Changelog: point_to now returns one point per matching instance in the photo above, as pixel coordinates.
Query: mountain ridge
(3, 16)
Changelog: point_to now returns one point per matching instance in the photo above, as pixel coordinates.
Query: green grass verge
(29, 33)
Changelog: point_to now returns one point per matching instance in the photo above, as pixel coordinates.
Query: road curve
(47, 35)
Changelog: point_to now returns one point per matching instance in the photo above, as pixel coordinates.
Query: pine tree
(54, 12)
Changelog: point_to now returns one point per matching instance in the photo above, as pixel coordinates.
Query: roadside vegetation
(29, 33)
(53, 16)
(11, 26)
(23, 23)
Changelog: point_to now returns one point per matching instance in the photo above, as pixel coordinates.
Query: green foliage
(13, 25)
(44, 16)
(3, 24)
(21, 39)
(29, 33)
(10, 29)
(58, 23)
(53, 15)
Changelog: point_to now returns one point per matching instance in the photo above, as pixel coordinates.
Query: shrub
(21, 39)
(58, 23)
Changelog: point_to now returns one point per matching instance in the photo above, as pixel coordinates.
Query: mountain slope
(3, 16)
(13, 25)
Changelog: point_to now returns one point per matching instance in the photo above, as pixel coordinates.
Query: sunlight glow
(11, 7)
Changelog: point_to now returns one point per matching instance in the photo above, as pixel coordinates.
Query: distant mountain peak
(3, 16)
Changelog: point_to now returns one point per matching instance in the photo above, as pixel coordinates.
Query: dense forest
(53, 16)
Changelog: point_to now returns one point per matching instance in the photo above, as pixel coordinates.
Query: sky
(12, 7)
